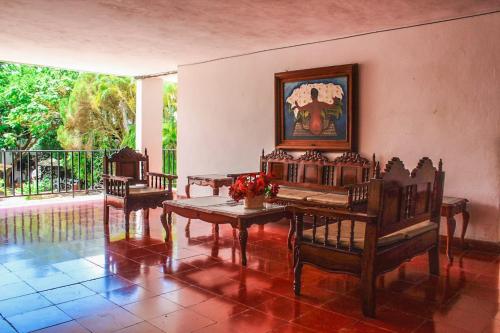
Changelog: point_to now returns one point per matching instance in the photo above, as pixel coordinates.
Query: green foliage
(31, 99)
(129, 139)
(100, 111)
(169, 115)
(44, 185)
(46, 108)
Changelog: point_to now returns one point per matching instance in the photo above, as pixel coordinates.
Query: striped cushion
(359, 234)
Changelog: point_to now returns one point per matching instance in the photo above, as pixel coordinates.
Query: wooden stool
(451, 207)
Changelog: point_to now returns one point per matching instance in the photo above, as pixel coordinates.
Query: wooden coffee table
(219, 210)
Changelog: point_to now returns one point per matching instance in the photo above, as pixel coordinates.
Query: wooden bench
(402, 221)
(313, 180)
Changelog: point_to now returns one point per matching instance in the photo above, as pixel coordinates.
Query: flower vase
(254, 202)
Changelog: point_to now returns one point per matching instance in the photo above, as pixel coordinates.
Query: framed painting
(315, 108)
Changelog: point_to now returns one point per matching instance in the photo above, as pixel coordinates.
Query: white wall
(149, 118)
(425, 91)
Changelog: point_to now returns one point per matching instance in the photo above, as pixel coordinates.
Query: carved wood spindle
(351, 236)
(314, 228)
(325, 242)
(374, 163)
(377, 170)
(339, 231)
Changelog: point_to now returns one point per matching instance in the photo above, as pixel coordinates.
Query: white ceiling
(152, 36)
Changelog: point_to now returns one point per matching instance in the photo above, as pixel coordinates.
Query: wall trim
(472, 244)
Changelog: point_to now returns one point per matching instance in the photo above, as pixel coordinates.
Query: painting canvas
(314, 108)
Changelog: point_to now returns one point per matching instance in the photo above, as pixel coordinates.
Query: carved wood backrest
(401, 199)
(128, 163)
(314, 170)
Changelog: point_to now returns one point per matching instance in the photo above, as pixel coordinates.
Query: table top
(213, 176)
(450, 201)
(223, 206)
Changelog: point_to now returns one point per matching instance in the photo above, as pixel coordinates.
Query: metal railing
(169, 158)
(42, 172)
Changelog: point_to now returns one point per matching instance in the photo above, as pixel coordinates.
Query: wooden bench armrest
(332, 213)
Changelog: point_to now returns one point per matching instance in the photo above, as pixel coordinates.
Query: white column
(149, 119)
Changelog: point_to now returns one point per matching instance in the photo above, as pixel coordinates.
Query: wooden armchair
(402, 221)
(129, 185)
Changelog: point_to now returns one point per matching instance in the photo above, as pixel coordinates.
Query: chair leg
(146, 213)
(297, 281)
(434, 260)
(106, 213)
(127, 224)
(368, 290)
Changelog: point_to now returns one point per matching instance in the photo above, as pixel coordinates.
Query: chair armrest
(160, 180)
(164, 175)
(116, 185)
(118, 178)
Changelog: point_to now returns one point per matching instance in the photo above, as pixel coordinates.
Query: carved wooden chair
(128, 184)
(402, 221)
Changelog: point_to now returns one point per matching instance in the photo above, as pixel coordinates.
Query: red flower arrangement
(253, 185)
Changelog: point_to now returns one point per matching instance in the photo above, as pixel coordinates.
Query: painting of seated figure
(314, 108)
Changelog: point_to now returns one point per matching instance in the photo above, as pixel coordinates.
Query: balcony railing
(42, 172)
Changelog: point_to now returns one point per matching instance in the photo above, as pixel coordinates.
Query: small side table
(451, 207)
(215, 181)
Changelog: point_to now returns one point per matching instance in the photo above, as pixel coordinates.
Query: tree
(31, 99)
(169, 115)
(46, 108)
(100, 112)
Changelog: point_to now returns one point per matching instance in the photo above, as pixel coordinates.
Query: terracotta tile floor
(61, 270)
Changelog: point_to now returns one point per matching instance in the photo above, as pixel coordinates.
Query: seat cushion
(331, 199)
(419, 228)
(141, 191)
(291, 193)
(359, 234)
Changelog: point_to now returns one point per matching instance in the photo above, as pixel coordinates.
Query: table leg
(215, 190)
(243, 245)
(450, 226)
(465, 218)
(215, 231)
(291, 232)
(165, 225)
(187, 230)
(187, 189)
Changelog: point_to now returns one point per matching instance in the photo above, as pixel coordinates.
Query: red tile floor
(61, 271)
